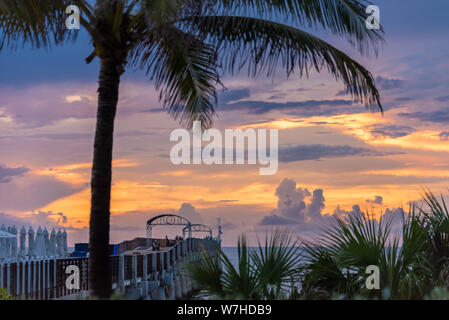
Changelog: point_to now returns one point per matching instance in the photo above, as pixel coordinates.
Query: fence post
(55, 289)
(2, 276)
(153, 284)
(29, 279)
(162, 276)
(153, 265)
(121, 273)
(144, 282)
(23, 278)
(144, 268)
(134, 271)
(18, 278)
(8, 278)
(38, 278)
(44, 279)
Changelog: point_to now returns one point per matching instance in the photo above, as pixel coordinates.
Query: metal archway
(196, 228)
(166, 220)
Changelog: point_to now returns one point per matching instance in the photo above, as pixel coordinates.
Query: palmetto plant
(266, 272)
(186, 46)
(336, 262)
(436, 222)
(411, 263)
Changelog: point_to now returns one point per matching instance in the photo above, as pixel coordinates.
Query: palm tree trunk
(100, 278)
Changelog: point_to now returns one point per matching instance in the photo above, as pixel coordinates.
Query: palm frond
(262, 45)
(345, 18)
(266, 272)
(184, 69)
(206, 273)
(276, 262)
(38, 22)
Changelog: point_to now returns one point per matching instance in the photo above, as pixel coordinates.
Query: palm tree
(186, 46)
(266, 272)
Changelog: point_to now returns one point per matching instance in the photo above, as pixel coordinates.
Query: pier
(157, 275)
(143, 268)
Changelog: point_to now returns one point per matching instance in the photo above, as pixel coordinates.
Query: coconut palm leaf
(275, 44)
(185, 69)
(343, 17)
(232, 42)
(38, 22)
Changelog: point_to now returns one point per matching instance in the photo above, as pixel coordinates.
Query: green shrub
(4, 295)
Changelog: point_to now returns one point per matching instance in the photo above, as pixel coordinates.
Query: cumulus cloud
(295, 205)
(303, 212)
(396, 218)
(393, 216)
(6, 174)
(189, 212)
(320, 151)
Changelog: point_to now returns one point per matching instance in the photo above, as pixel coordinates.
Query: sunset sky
(333, 153)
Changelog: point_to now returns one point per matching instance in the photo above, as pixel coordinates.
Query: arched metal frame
(166, 220)
(196, 228)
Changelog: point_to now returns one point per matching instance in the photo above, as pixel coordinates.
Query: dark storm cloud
(6, 174)
(320, 151)
(388, 84)
(439, 116)
(391, 131)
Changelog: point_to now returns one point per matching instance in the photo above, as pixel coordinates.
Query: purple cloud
(6, 174)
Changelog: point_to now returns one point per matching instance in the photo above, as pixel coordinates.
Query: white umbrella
(4, 234)
(4, 243)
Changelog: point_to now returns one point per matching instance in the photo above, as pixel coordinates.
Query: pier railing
(156, 275)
